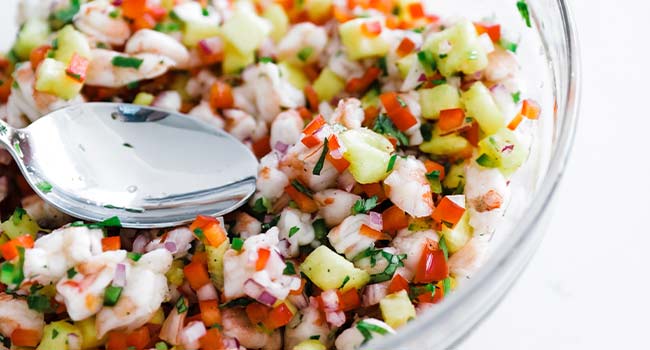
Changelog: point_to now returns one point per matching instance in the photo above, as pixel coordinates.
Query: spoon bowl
(147, 166)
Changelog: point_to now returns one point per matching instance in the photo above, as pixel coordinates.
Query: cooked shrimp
(469, 258)
(412, 243)
(300, 161)
(169, 100)
(272, 92)
(94, 20)
(173, 325)
(83, 294)
(286, 128)
(38, 8)
(351, 338)
(102, 72)
(55, 253)
(144, 292)
(241, 124)
(44, 214)
(486, 191)
(205, 113)
(343, 66)
(200, 84)
(270, 180)
(412, 100)
(16, 314)
(302, 44)
(246, 225)
(237, 325)
(24, 99)
(335, 205)
(295, 227)
(346, 238)
(502, 64)
(181, 238)
(306, 324)
(157, 43)
(349, 113)
(407, 182)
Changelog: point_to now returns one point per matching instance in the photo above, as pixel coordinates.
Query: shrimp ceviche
(386, 136)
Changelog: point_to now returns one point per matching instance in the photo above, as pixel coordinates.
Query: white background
(588, 286)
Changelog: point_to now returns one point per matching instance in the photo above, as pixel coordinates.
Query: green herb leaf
(320, 229)
(289, 269)
(394, 261)
(161, 346)
(134, 256)
(446, 285)
(127, 62)
(112, 295)
(426, 130)
(315, 337)
(486, 161)
(39, 302)
(363, 206)
(442, 244)
(44, 186)
(266, 60)
(181, 307)
(516, 96)
(236, 302)
(391, 163)
(55, 333)
(261, 205)
(71, 273)
(301, 188)
(508, 45)
(426, 60)
(66, 15)
(522, 6)
(167, 27)
(384, 125)
(382, 65)
(434, 181)
(293, 230)
(237, 244)
(304, 53)
(345, 281)
(274, 222)
(367, 329)
(321, 160)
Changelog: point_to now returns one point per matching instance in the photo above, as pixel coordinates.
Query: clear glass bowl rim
(538, 207)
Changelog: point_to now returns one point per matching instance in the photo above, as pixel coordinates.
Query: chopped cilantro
(261, 205)
(382, 65)
(55, 333)
(426, 130)
(110, 222)
(384, 125)
(446, 285)
(363, 206)
(321, 160)
(427, 61)
(237, 244)
(367, 329)
(66, 15)
(39, 302)
(266, 59)
(114, 14)
(71, 272)
(391, 163)
(508, 45)
(127, 145)
(127, 62)
(3, 129)
(345, 281)
(439, 81)
(418, 29)
(18, 150)
(167, 27)
(394, 261)
(133, 85)
(401, 102)
(273, 222)
(301, 188)
(236, 302)
(304, 53)
(44, 186)
(442, 56)
(134, 256)
(434, 181)
(486, 161)
(522, 6)
(205, 12)
(289, 269)
(293, 230)
(320, 229)
(315, 337)
(516, 96)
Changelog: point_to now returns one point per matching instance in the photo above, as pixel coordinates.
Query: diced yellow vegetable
(318, 10)
(371, 98)
(175, 274)
(235, 61)
(69, 42)
(368, 153)
(52, 79)
(447, 145)
(405, 63)
(397, 309)
(480, 105)
(455, 176)
(88, 332)
(404, 11)
(279, 21)
(215, 262)
(328, 270)
(328, 85)
(438, 98)
(457, 237)
(33, 33)
(293, 75)
(18, 224)
(193, 32)
(196, 25)
(465, 53)
(358, 45)
(310, 344)
(55, 336)
(158, 317)
(245, 30)
(505, 150)
(143, 99)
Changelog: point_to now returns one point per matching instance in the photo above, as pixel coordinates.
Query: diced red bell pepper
(530, 109)
(430, 166)
(10, 249)
(397, 283)
(196, 274)
(394, 219)
(448, 211)
(278, 317)
(432, 265)
(312, 98)
(371, 29)
(210, 313)
(492, 30)
(451, 119)
(38, 55)
(221, 96)
(416, 10)
(397, 111)
(263, 255)
(111, 243)
(361, 84)
(349, 300)
(406, 46)
(77, 68)
(314, 125)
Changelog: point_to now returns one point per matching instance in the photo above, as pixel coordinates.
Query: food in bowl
(386, 136)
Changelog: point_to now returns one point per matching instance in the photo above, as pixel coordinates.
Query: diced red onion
(330, 300)
(335, 318)
(191, 334)
(284, 246)
(140, 243)
(373, 293)
(211, 46)
(496, 87)
(336, 154)
(376, 221)
(507, 148)
(74, 343)
(207, 292)
(119, 280)
(230, 343)
(267, 299)
(422, 77)
(281, 147)
(117, 3)
(171, 247)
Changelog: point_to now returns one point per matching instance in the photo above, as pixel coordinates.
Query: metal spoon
(149, 167)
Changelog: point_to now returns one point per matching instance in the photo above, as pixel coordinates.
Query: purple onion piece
(119, 279)
(267, 299)
(171, 247)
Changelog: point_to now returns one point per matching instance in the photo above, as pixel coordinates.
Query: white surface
(588, 286)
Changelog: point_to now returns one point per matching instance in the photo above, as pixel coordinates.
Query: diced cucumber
(52, 79)
(458, 236)
(194, 31)
(293, 75)
(69, 42)
(318, 10)
(465, 55)
(55, 336)
(143, 99)
(438, 98)
(357, 44)
(235, 61)
(279, 21)
(447, 145)
(215, 262)
(88, 333)
(405, 63)
(371, 98)
(32, 34)
(245, 30)
(197, 25)
(368, 153)
(480, 105)
(505, 150)
(310, 344)
(328, 85)
(455, 177)
(18, 224)
(397, 309)
(329, 270)
(175, 273)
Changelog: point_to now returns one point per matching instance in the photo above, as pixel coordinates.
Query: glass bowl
(551, 67)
